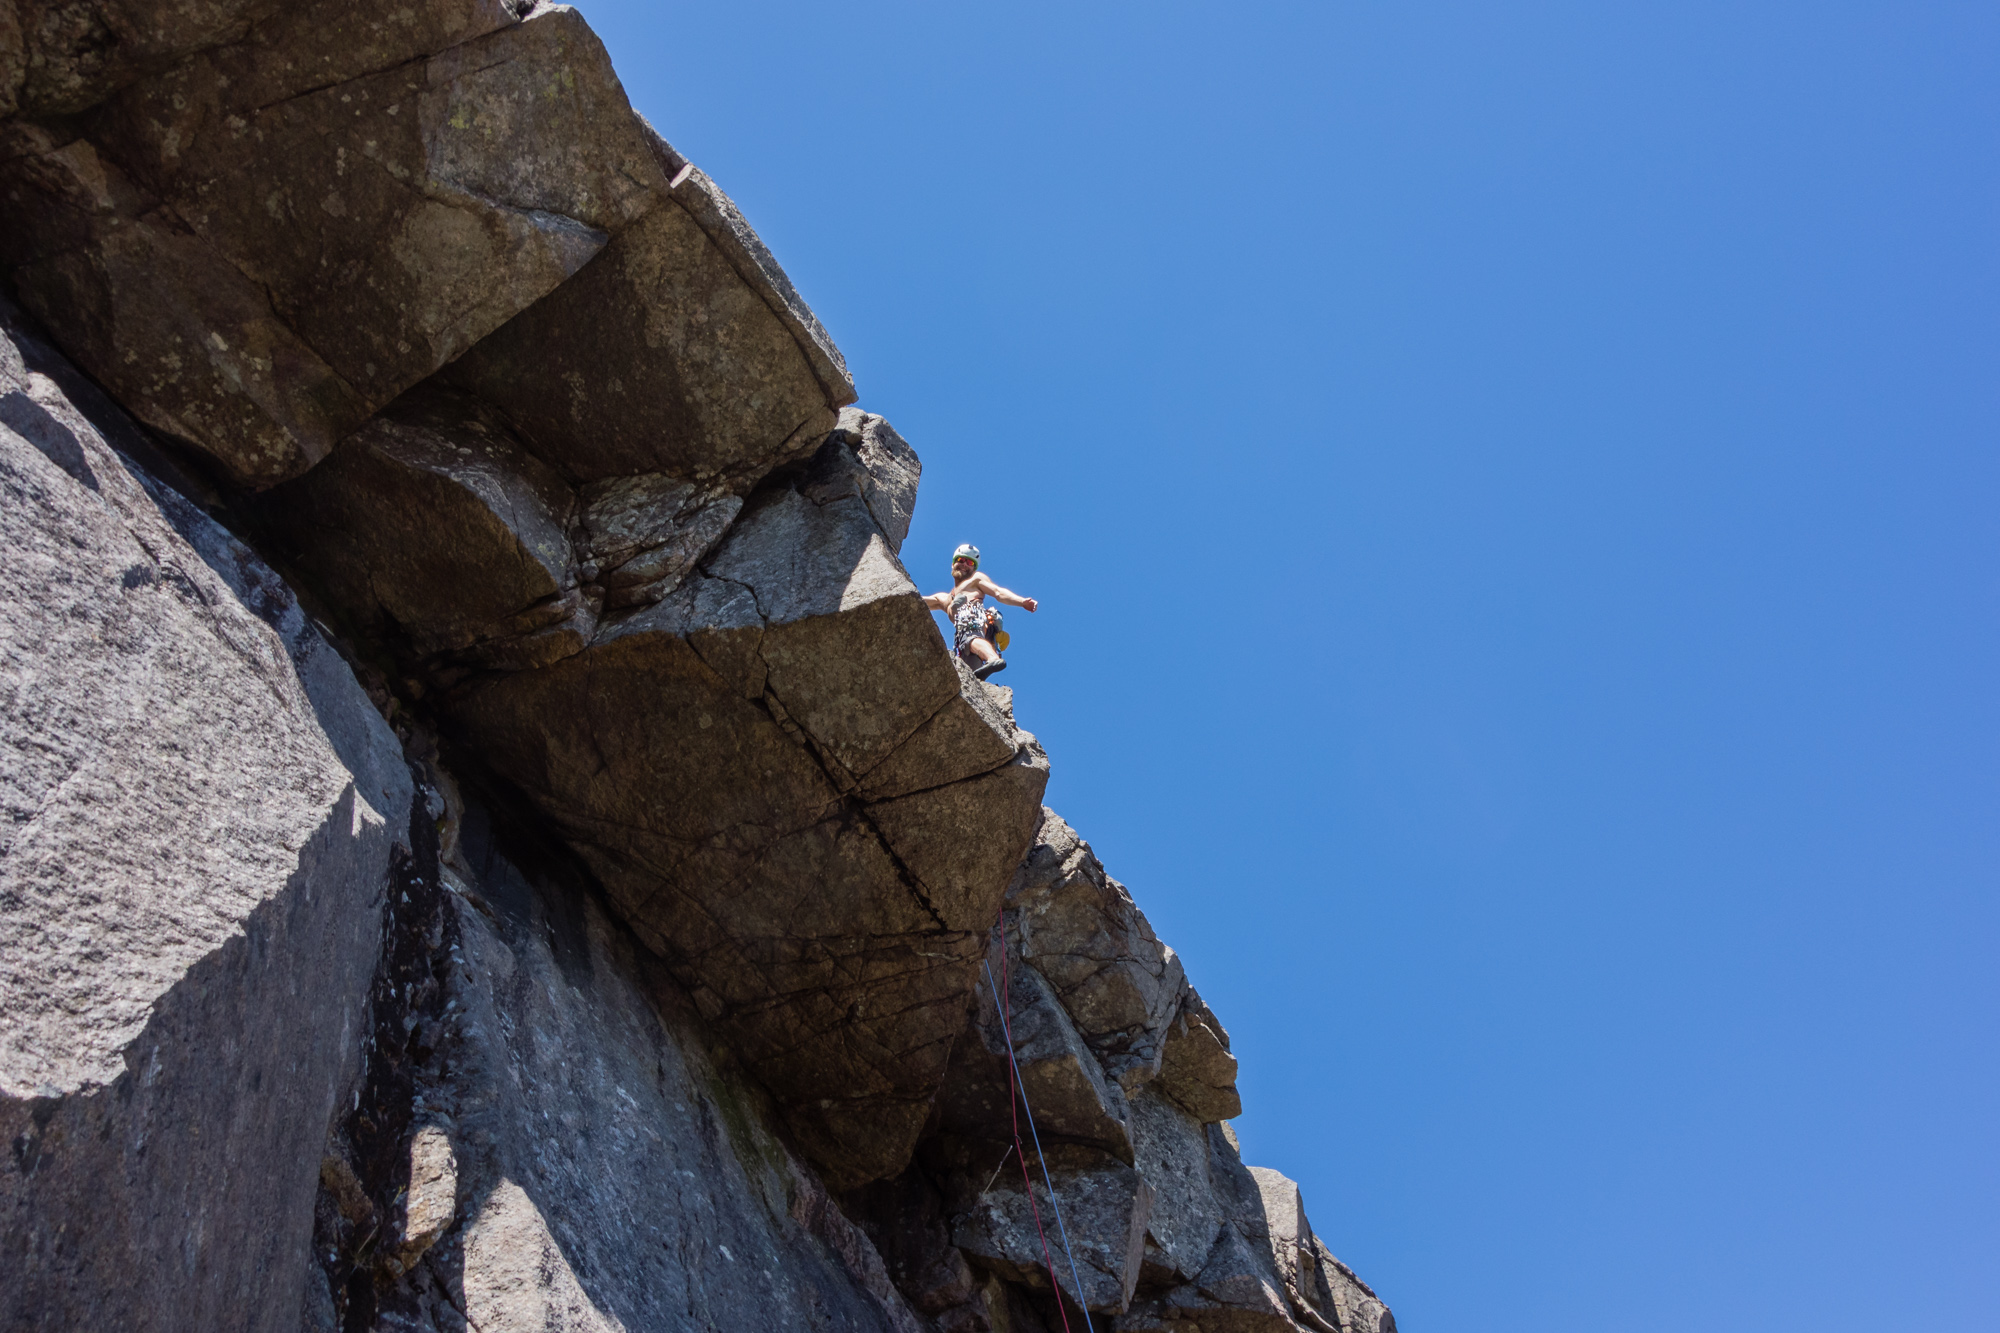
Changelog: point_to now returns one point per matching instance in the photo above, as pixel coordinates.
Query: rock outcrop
(1167, 1226)
(203, 814)
(496, 839)
(548, 1137)
(258, 244)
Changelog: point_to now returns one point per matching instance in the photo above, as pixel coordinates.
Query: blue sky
(1514, 494)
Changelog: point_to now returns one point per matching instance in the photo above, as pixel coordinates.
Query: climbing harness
(1002, 995)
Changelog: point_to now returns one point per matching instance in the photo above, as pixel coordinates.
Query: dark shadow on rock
(611, 1167)
(184, 471)
(32, 422)
(180, 1195)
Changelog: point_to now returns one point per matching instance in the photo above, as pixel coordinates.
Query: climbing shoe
(985, 669)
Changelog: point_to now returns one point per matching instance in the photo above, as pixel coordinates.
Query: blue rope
(1007, 1031)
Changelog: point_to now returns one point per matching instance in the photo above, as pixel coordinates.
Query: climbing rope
(1026, 1184)
(1003, 996)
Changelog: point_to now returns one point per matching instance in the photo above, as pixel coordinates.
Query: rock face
(202, 812)
(261, 231)
(716, 761)
(1167, 1226)
(576, 1158)
(612, 907)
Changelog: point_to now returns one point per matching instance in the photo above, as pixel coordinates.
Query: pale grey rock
(1105, 1209)
(1233, 1297)
(1197, 1069)
(1172, 1150)
(1294, 1249)
(202, 807)
(863, 455)
(1080, 928)
(637, 537)
(1358, 1308)
(1234, 1289)
(1324, 1294)
(1238, 1286)
(1071, 1098)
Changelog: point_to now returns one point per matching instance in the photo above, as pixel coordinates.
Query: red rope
(1014, 1098)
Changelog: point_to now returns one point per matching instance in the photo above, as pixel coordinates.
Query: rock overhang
(526, 401)
(719, 761)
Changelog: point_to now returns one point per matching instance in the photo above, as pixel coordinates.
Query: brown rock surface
(656, 357)
(73, 53)
(705, 757)
(732, 234)
(434, 532)
(295, 215)
(399, 216)
(202, 809)
(184, 340)
(386, 221)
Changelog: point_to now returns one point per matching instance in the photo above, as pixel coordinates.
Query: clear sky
(1514, 496)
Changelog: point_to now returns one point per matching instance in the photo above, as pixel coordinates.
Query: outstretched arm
(1000, 594)
(938, 601)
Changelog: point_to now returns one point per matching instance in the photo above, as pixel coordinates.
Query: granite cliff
(493, 839)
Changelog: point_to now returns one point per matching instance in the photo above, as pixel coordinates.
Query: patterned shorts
(968, 624)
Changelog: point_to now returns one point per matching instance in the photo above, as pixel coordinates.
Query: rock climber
(970, 616)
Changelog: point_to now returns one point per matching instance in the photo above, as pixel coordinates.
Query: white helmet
(966, 551)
